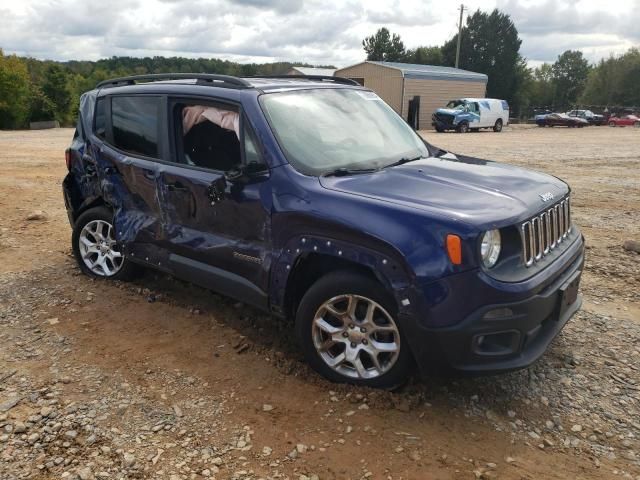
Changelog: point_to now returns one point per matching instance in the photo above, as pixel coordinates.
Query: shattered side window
(134, 121)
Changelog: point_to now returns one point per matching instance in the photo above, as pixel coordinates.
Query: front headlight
(490, 248)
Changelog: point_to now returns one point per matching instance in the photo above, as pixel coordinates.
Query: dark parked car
(588, 115)
(311, 199)
(560, 120)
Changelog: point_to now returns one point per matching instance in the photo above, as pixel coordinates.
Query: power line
(462, 9)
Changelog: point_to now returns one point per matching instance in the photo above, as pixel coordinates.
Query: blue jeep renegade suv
(311, 199)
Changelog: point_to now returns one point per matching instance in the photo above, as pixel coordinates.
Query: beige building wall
(435, 94)
(385, 81)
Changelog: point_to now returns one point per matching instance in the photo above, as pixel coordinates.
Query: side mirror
(215, 191)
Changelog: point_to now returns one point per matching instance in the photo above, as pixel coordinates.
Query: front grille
(445, 118)
(545, 232)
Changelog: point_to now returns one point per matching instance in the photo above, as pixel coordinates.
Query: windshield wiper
(342, 172)
(404, 160)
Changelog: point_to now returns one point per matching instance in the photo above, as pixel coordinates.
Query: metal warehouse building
(398, 83)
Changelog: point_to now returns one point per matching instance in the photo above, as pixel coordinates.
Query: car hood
(449, 111)
(470, 190)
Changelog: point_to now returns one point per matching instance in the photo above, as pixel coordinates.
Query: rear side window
(134, 122)
(100, 126)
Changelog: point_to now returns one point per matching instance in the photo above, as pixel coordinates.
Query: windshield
(456, 104)
(322, 130)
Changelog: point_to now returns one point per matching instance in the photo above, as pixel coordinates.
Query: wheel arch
(306, 259)
(88, 205)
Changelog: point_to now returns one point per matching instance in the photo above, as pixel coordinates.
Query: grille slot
(544, 232)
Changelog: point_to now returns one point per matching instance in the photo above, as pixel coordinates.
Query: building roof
(315, 71)
(411, 70)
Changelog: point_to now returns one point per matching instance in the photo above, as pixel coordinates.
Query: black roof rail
(226, 81)
(323, 78)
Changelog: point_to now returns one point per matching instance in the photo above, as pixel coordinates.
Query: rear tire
(348, 329)
(498, 126)
(636, 124)
(95, 249)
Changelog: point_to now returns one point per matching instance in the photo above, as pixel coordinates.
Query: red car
(624, 121)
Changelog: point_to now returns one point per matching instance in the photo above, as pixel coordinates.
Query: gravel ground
(160, 379)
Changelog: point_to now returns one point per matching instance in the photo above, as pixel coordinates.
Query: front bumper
(501, 336)
(443, 122)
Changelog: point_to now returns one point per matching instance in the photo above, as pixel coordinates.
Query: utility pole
(459, 35)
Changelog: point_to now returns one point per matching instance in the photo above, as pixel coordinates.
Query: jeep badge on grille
(547, 196)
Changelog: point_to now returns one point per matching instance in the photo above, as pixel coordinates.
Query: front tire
(636, 124)
(348, 329)
(463, 127)
(612, 124)
(498, 126)
(95, 248)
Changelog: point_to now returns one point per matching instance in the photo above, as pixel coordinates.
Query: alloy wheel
(98, 249)
(356, 337)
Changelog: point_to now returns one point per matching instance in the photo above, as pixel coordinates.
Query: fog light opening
(499, 343)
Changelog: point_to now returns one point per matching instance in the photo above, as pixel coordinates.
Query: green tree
(424, 56)
(490, 45)
(614, 81)
(56, 88)
(41, 108)
(14, 92)
(382, 46)
(542, 87)
(524, 84)
(570, 74)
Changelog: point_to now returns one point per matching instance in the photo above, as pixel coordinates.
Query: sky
(319, 32)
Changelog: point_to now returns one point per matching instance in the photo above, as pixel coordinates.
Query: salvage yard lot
(160, 379)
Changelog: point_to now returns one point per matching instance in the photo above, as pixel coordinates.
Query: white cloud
(315, 31)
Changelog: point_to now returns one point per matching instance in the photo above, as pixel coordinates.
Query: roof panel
(411, 70)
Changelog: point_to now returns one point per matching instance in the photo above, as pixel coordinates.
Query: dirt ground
(163, 380)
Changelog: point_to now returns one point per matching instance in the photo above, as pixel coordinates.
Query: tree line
(35, 90)
(490, 44)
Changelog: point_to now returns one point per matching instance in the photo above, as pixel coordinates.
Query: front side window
(321, 130)
(134, 123)
(209, 136)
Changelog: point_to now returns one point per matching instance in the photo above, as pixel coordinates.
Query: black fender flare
(388, 267)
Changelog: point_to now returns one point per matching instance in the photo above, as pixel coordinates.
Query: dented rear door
(128, 169)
